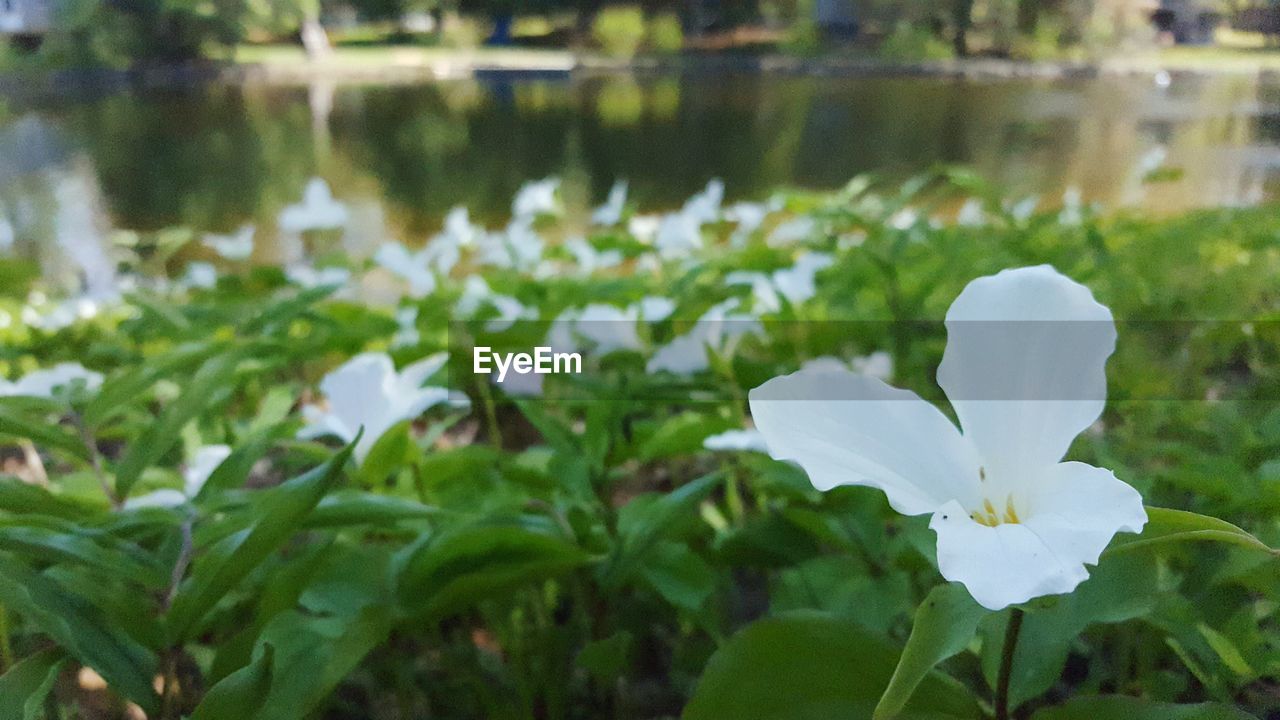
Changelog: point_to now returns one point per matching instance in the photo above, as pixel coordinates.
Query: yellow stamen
(1010, 514)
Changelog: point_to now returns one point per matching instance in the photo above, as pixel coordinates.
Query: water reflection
(216, 158)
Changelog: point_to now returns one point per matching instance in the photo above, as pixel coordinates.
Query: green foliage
(910, 43)
(582, 554)
(619, 30)
(810, 667)
(666, 34)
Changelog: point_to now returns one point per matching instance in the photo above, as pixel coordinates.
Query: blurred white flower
(717, 330)
(644, 227)
(407, 322)
(367, 392)
(678, 235)
(793, 231)
(49, 382)
(198, 471)
(971, 214)
(307, 276)
(590, 260)
(749, 440)
(610, 213)
(797, 284)
(1022, 210)
(606, 328)
(317, 211)
(1024, 368)
(878, 365)
(519, 247)
(536, 198)
(411, 267)
(748, 217)
(236, 246)
(200, 275)
(704, 207)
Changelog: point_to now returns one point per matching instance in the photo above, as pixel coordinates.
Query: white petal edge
(849, 429)
(1025, 366)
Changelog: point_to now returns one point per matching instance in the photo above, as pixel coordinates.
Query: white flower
(610, 213)
(412, 267)
(796, 284)
(678, 234)
(1022, 210)
(749, 217)
(310, 277)
(705, 206)
(971, 213)
(644, 227)
(606, 328)
(589, 259)
(201, 275)
(718, 329)
(1024, 368)
(368, 392)
(198, 472)
(317, 211)
(536, 198)
(793, 231)
(904, 219)
(236, 246)
(749, 440)
(519, 247)
(407, 324)
(49, 382)
(878, 365)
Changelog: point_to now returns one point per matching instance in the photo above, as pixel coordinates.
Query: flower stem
(1006, 664)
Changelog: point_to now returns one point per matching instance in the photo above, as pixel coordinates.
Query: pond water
(214, 158)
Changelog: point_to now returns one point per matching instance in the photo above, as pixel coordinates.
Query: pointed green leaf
(241, 694)
(944, 624)
(24, 688)
(812, 666)
(1165, 526)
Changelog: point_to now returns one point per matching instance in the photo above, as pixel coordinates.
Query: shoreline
(281, 65)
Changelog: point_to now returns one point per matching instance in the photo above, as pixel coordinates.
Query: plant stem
(1006, 664)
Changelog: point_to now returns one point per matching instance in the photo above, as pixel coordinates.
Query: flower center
(990, 517)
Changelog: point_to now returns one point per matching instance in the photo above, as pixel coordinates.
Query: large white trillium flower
(1024, 369)
(368, 392)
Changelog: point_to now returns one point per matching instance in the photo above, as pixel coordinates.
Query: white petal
(1077, 508)
(1024, 366)
(1071, 515)
(167, 498)
(849, 429)
(748, 440)
(414, 374)
(207, 459)
(361, 393)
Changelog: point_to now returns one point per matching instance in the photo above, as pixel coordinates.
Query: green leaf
(606, 660)
(388, 454)
(242, 694)
(118, 391)
(462, 567)
(944, 624)
(352, 507)
(1165, 526)
(42, 433)
(643, 522)
(277, 516)
(23, 498)
(81, 628)
(161, 435)
(680, 576)
(32, 542)
(811, 666)
(1116, 707)
(26, 685)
